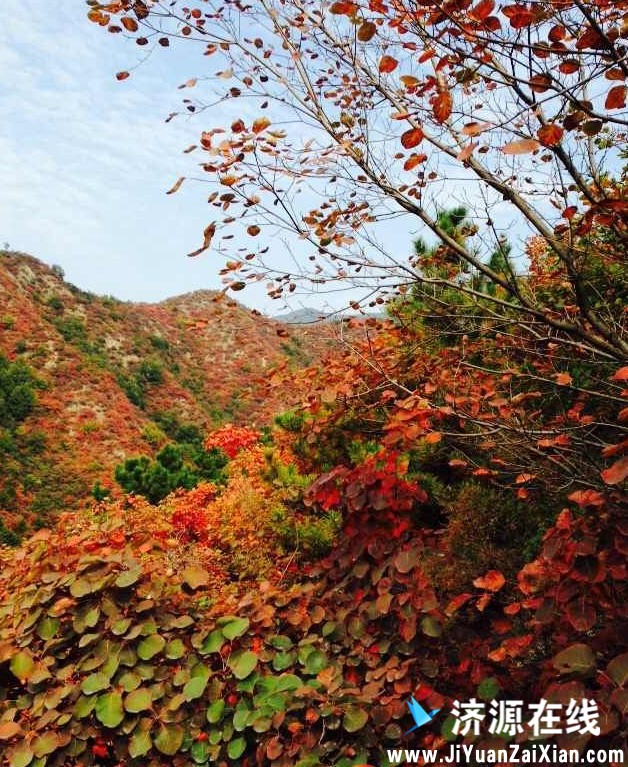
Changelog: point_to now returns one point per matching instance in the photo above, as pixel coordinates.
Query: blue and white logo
(419, 714)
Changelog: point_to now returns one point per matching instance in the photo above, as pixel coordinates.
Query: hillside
(117, 379)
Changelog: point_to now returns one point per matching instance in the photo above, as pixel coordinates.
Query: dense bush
(174, 467)
(18, 387)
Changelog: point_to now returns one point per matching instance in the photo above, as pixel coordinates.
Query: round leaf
(138, 700)
(236, 747)
(9, 730)
(354, 719)
(109, 709)
(242, 663)
(150, 646)
(169, 739)
(577, 659)
(234, 627)
(94, 683)
(140, 744)
(215, 711)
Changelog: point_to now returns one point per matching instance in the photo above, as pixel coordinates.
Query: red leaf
(442, 105)
(343, 8)
(409, 81)
(616, 98)
(492, 581)
(524, 146)
(591, 38)
(366, 31)
(569, 66)
(586, 498)
(129, 24)
(414, 160)
(519, 16)
(482, 10)
(540, 83)
(557, 33)
(411, 138)
(581, 615)
(260, 124)
(621, 374)
(475, 128)
(617, 472)
(387, 64)
(176, 186)
(426, 55)
(467, 152)
(563, 379)
(208, 234)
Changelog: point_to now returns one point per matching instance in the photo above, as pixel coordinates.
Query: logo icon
(419, 714)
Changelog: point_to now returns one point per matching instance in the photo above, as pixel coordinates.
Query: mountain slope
(118, 378)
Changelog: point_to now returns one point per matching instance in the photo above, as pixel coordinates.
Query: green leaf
(215, 711)
(195, 687)
(232, 626)
(45, 744)
(236, 747)
(280, 642)
(283, 660)
(447, 729)
(20, 756)
(618, 670)
(22, 665)
(109, 709)
(242, 663)
(213, 642)
(287, 682)
(84, 706)
(80, 588)
(128, 577)
(140, 744)
(240, 719)
(169, 739)
(150, 646)
(354, 719)
(431, 627)
(138, 700)
(94, 683)
(121, 626)
(488, 689)
(578, 659)
(174, 650)
(315, 662)
(199, 751)
(130, 681)
(47, 628)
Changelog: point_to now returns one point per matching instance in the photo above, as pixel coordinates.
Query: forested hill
(115, 379)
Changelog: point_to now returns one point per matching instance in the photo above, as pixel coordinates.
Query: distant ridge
(304, 316)
(118, 378)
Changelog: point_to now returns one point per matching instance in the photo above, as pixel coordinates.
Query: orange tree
(353, 113)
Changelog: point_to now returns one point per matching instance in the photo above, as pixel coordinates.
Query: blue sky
(86, 160)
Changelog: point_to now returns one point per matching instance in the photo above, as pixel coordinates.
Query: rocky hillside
(117, 379)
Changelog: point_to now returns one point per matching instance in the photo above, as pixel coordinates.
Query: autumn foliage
(472, 561)
(441, 513)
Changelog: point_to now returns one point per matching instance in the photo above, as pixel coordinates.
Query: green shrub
(17, 392)
(151, 372)
(72, 329)
(174, 467)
